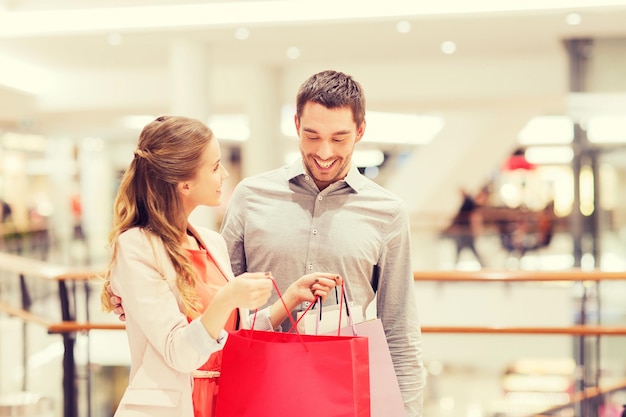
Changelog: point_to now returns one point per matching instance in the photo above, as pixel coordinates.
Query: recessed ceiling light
(448, 47)
(18, 75)
(242, 33)
(543, 130)
(137, 121)
(230, 127)
(545, 155)
(403, 26)
(293, 52)
(114, 39)
(606, 129)
(573, 19)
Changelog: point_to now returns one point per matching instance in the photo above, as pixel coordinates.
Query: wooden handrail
(27, 316)
(486, 275)
(72, 326)
(61, 274)
(586, 394)
(57, 327)
(46, 270)
(33, 268)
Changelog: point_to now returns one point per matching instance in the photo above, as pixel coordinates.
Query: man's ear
(296, 121)
(360, 131)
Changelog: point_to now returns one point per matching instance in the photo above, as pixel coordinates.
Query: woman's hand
(310, 286)
(249, 290)
(305, 288)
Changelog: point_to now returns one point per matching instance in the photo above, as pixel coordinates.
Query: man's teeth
(324, 164)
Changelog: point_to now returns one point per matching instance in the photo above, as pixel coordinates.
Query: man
(321, 214)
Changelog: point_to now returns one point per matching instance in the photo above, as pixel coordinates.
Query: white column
(265, 149)
(189, 91)
(60, 152)
(189, 96)
(97, 192)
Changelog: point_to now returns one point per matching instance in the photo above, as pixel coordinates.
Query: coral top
(210, 280)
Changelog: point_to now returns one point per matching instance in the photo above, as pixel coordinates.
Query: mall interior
(515, 109)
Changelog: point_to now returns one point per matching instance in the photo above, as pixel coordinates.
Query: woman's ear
(183, 188)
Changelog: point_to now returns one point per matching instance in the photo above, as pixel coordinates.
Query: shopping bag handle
(343, 301)
(280, 296)
(293, 323)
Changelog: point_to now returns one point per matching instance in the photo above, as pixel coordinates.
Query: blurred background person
(467, 224)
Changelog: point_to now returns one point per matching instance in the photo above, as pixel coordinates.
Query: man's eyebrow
(340, 132)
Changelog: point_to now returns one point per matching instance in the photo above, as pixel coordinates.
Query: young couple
(318, 217)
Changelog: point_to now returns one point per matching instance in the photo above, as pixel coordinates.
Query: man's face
(327, 139)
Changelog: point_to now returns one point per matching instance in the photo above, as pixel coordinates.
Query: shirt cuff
(199, 339)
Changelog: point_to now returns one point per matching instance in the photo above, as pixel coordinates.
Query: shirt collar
(354, 179)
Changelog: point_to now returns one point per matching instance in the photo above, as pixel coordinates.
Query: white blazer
(164, 348)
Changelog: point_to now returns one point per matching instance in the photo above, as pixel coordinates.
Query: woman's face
(206, 187)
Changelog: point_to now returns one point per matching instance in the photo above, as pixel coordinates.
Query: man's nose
(325, 151)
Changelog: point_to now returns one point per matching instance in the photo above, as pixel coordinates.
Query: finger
(321, 294)
(309, 297)
(328, 283)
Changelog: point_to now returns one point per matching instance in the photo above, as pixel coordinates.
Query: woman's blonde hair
(169, 151)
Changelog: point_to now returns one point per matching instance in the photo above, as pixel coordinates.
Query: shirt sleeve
(233, 230)
(397, 309)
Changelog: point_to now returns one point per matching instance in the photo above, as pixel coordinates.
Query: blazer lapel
(222, 261)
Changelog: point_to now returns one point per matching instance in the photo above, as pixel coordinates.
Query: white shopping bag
(315, 323)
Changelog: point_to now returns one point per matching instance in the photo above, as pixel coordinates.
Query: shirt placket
(314, 237)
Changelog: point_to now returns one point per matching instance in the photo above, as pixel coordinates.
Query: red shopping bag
(274, 374)
(385, 396)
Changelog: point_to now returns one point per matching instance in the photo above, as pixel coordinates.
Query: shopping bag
(275, 374)
(385, 396)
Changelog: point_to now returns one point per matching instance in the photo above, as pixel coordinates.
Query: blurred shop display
(523, 205)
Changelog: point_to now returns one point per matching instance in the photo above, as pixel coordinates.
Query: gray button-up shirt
(279, 221)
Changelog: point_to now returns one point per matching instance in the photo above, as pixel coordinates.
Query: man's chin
(323, 176)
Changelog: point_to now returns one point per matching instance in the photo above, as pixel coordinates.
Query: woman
(180, 295)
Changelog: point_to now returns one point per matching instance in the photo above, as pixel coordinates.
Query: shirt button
(306, 177)
(319, 197)
(310, 266)
(315, 231)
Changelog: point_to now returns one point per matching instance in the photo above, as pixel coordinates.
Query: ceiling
(477, 34)
(38, 35)
(74, 68)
